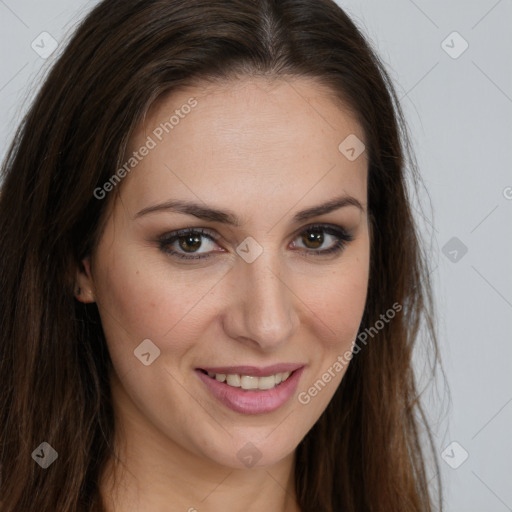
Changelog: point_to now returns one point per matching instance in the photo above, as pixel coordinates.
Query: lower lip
(252, 401)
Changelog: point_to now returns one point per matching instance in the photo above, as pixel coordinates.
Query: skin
(264, 150)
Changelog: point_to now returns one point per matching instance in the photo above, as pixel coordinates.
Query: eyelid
(343, 237)
(322, 225)
(213, 234)
(185, 231)
(207, 233)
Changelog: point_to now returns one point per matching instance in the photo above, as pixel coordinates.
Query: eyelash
(343, 236)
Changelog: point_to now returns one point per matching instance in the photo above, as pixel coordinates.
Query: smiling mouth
(250, 382)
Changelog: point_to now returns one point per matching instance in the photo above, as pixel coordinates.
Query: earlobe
(84, 285)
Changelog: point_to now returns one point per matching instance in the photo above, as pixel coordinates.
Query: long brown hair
(365, 452)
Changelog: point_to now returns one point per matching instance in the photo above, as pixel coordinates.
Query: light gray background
(459, 112)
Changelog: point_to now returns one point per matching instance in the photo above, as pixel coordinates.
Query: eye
(186, 243)
(314, 237)
(189, 241)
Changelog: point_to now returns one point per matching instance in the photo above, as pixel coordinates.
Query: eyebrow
(230, 218)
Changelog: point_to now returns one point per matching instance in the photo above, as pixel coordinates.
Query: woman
(211, 277)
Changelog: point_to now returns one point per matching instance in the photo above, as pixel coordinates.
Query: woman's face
(271, 289)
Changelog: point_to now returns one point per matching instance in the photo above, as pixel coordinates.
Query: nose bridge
(265, 302)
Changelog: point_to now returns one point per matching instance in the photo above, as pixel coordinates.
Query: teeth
(250, 382)
(233, 380)
(264, 382)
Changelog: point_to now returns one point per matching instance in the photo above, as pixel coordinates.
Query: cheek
(338, 306)
(348, 303)
(131, 300)
(140, 297)
(135, 301)
(339, 302)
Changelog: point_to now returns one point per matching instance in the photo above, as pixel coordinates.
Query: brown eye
(192, 243)
(186, 243)
(189, 243)
(315, 237)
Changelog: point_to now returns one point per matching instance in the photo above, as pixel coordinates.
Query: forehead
(247, 140)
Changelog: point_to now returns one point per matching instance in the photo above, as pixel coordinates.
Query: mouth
(249, 382)
(250, 390)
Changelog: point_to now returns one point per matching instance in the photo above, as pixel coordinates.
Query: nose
(263, 309)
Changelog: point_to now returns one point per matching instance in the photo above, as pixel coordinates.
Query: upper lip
(253, 371)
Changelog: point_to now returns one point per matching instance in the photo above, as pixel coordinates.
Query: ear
(84, 284)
